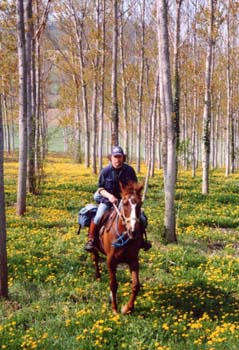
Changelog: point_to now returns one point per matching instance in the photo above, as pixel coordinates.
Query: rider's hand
(113, 199)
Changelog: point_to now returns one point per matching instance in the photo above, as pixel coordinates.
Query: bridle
(121, 213)
(124, 237)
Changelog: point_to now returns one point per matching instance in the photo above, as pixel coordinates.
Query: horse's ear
(126, 186)
(140, 186)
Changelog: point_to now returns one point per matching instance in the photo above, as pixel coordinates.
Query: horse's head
(131, 207)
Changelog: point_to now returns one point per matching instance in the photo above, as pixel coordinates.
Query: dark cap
(117, 151)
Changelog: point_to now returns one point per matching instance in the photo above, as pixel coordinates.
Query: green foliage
(189, 291)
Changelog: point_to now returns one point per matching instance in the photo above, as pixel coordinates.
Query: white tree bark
(22, 65)
(79, 26)
(165, 77)
(207, 104)
(3, 233)
(114, 89)
(102, 90)
(31, 123)
(124, 84)
(95, 90)
(230, 164)
(141, 91)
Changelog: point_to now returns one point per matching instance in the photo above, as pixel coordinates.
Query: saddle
(103, 221)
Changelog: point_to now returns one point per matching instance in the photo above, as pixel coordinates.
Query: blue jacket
(111, 177)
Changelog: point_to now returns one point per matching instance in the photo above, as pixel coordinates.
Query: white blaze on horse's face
(133, 217)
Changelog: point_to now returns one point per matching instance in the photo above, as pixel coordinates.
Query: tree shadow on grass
(195, 299)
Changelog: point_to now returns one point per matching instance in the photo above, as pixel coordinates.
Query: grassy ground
(190, 292)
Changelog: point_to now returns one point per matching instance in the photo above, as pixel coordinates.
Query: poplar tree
(167, 102)
(22, 66)
(114, 78)
(3, 234)
(207, 102)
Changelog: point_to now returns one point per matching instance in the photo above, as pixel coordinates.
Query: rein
(125, 236)
(123, 218)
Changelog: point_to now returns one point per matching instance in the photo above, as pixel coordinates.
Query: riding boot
(146, 245)
(89, 247)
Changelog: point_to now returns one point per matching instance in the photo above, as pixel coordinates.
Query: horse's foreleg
(113, 284)
(134, 269)
(95, 257)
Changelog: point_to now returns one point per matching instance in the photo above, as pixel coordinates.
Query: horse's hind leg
(95, 257)
(134, 269)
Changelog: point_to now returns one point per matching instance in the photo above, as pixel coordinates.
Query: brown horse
(120, 239)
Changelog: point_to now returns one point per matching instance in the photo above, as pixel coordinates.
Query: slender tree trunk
(146, 181)
(153, 126)
(115, 104)
(194, 130)
(3, 233)
(38, 109)
(30, 115)
(38, 160)
(77, 123)
(141, 91)
(229, 125)
(151, 140)
(34, 101)
(163, 120)
(207, 104)
(22, 64)
(12, 124)
(95, 91)
(85, 108)
(79, 27)
(131, 139)
(164, 60)
(7, 142)
(77, 119)
(217, 133)
(124, 84)
(195, 106)
(102, 91)
(194, 145)
(212, 138)
(37, 86)
(158, 139)
(177, 77)
(184, 132)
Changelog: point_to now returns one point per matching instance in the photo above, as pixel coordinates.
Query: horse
(120, 239)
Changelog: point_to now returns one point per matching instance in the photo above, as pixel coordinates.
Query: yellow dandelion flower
(165, 326)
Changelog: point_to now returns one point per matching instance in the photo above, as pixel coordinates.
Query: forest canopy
(73, 56)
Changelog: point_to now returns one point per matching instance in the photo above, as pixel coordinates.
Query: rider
(108, 192)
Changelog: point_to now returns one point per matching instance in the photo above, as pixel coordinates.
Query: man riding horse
(109, 193)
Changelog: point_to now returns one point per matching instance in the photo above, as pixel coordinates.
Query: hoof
(125, 310)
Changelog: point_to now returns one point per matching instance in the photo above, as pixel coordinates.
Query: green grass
(189, 292)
